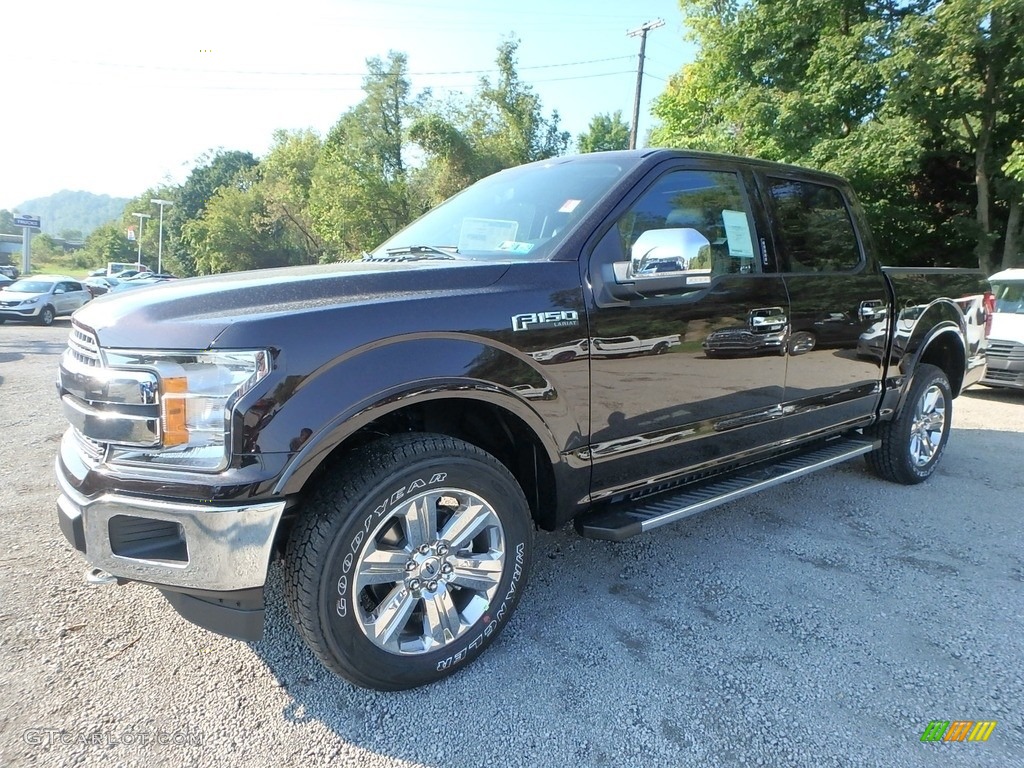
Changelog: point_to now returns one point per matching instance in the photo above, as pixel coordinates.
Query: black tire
(352, 557)
(660, 348)
(914, 441)
(46, 316)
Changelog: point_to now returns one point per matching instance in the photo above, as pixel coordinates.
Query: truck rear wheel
(407, 564)
(913, 442)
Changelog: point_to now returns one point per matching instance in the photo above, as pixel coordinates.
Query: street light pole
(142, 221)
(160, 240)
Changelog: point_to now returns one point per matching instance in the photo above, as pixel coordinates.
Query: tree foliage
(107, 243)
(605, 132)
(359, 193)
(215, 171)
(501, 126)
(384, 162)
(917, 102)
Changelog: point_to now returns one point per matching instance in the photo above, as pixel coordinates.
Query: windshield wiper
(416, 253)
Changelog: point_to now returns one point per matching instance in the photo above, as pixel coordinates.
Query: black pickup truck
(395, 428)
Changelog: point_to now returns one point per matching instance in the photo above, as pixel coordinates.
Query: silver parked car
(41, 298)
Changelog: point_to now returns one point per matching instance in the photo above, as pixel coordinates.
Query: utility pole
(642, 33)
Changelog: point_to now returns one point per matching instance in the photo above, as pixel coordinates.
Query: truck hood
(192, 313)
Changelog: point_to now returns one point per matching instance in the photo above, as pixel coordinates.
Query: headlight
(33, 300)
(197, 392)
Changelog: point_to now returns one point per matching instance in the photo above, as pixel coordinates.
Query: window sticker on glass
(737, 231)
(516, 247)
(486, 234)
(569, 206)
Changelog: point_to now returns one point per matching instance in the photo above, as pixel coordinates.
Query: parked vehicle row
(42, 298)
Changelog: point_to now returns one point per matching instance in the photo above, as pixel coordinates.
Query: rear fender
(938, 334)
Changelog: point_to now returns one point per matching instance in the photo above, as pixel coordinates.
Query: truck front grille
(1010, 350)
(83, 346)
(107, 406)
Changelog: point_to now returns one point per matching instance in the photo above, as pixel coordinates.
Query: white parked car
(620, 346)
(41, 298)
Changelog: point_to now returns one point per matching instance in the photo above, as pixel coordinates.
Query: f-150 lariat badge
(537, 321)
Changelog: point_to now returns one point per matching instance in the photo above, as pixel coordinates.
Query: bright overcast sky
(115, 97)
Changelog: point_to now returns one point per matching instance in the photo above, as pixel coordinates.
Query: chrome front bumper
(191, 546)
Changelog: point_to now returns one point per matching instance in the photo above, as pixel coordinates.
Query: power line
(339, 89)
(266, 73)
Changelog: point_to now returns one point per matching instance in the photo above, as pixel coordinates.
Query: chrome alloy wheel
(428, 571)
(928, 426)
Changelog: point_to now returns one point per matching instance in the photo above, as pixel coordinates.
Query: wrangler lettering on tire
(409, 561)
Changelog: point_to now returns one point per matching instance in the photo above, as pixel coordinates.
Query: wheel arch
(481, 414)
(937, 337)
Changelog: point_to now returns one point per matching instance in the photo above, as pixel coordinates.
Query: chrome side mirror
(664, 251)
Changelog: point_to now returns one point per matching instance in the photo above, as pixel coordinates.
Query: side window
(814, 227)
(73, 287)
(710, 202)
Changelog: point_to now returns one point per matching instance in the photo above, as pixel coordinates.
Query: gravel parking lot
(823, 623)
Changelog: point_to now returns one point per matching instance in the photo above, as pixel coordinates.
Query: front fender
(326, 407)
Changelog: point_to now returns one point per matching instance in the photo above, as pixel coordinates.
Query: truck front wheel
(407, 563)
(913, 442)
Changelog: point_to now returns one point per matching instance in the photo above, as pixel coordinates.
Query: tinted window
(710, 202)
(814, 226)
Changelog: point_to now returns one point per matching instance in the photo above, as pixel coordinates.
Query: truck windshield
(518, 213)
(1009, 297)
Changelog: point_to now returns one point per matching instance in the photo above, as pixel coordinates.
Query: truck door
(672, 407)
(838, 304)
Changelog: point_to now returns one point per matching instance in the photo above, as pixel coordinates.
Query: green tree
(213, 172)
(502, 125)
(7, 223)
(46, 250)
(286, 181)
(605, 132)
(359, 190)
(106, 243)
(237, 230)
(917, 102)
(961, 77)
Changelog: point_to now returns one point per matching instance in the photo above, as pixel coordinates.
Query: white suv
(41, 298)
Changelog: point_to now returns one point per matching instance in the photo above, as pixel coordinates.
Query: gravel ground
(822, 623)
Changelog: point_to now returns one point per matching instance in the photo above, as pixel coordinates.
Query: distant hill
(83, 211)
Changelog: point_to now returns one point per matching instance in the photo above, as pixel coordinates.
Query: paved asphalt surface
(822, 623)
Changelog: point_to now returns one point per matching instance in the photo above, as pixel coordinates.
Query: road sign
(26, 221)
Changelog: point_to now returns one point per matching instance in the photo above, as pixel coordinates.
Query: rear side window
(814, 226)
